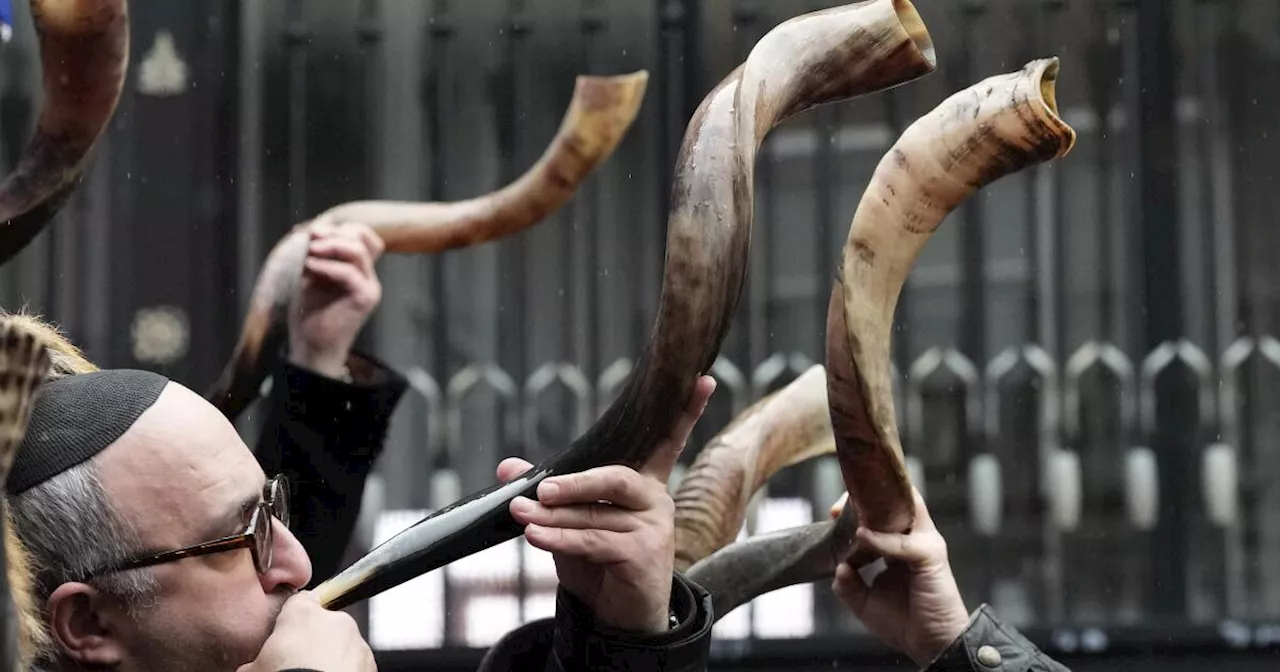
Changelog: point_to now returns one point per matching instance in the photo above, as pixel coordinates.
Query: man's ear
(86, 625)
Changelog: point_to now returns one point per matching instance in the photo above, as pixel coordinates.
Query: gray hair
(70, 529)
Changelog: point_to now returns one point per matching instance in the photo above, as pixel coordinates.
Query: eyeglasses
(257, 536)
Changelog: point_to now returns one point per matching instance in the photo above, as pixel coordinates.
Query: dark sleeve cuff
(582, 643)
(359, 411)
(988, 645)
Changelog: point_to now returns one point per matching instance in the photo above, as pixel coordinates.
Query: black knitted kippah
(76, 417)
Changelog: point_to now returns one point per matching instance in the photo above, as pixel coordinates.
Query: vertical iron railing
(972, 251)
(1219, 467)
(1163, 314)
(512, 106)
(370, 36)
(298, 43)
(445, 477)
(595, 31)
(670, 89)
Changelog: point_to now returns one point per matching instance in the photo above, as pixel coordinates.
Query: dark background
(1118, 304)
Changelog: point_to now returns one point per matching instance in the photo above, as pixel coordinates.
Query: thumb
(849, 588)
(663, 461)
(512, 468)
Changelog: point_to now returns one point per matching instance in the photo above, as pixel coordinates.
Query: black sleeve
(989, 645)
(325, 435)
(579, 643)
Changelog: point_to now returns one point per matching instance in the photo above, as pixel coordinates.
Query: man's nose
(290, 566)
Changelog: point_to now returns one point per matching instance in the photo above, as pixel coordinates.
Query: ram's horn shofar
(810, 60)
(84, 52)
(994, 128)
(600, 113)
(24, 363)
(785, 428)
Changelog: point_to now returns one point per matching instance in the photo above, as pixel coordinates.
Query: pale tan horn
(992, 129)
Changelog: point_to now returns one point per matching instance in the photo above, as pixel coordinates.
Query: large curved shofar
(785, 428)
(817, 58)
(84, 52)
(992, 129)
(24, 363)
(599, 114)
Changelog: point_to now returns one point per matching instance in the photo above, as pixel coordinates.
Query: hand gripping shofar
(24, 363)
(807, 61)
(601, 111)
(992, 129)
(84, 53)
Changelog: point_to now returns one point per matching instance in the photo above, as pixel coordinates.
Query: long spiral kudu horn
(783, 429)
(810, 60)
(600, 113)
(84, 52)
(995, 128)
(24, 363)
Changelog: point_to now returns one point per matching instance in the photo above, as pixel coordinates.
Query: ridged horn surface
(783, 429)
(994, 128)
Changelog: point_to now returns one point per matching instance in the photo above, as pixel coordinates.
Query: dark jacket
(325, 435)
(573, 641)
(988, 645)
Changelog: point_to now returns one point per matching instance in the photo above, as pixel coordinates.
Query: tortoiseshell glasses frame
(257, 536)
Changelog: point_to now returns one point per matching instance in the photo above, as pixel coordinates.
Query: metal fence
(1094, 340)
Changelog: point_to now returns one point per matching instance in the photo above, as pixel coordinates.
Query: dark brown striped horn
(817, 58)
(600, 113)
(84, 52)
